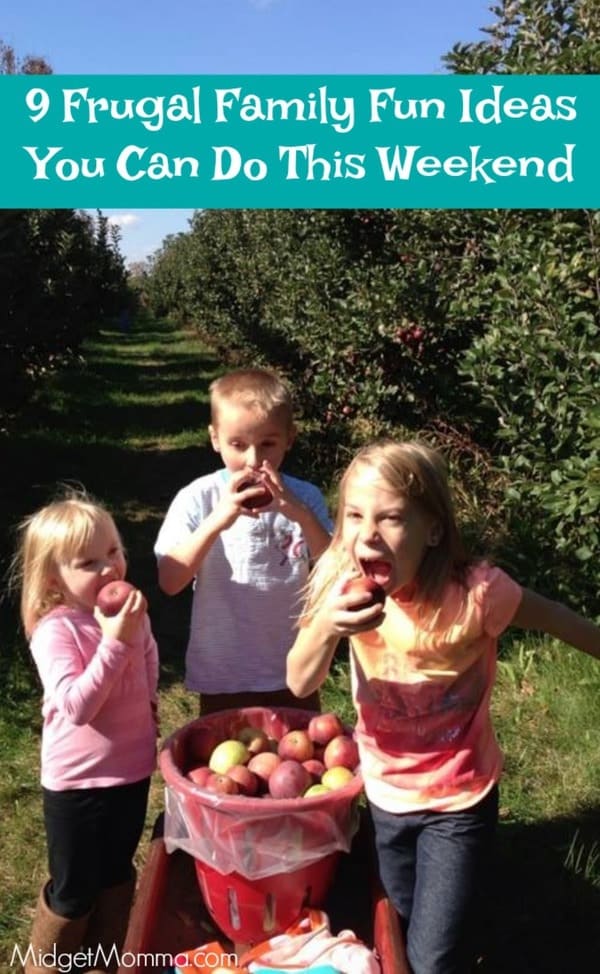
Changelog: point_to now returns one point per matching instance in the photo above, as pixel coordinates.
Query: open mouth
(377, 569)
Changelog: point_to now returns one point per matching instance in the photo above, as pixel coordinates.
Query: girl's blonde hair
(415, 471)
(48, 538)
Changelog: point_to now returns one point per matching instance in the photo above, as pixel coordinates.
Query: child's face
(246, 437)
(100, 561)
(385, 533)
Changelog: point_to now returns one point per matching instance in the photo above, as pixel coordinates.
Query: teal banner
(286, 141)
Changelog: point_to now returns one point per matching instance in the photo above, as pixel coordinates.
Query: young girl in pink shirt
(423, 666)
(99, 677)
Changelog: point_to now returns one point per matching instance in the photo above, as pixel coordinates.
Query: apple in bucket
(322, 728)
(112, 597)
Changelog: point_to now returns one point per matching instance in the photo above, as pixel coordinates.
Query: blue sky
(236, 37)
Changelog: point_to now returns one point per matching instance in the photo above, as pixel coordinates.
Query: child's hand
(126, 624)
(234, 501)
(350, 612)
(283, 499)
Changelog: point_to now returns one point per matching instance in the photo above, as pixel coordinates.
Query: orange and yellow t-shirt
(423, 697)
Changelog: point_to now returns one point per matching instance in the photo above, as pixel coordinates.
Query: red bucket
(259, 861)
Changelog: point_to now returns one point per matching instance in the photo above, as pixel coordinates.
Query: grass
(129, 422)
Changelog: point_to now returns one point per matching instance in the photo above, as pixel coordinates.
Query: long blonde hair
(416, 471)
(48, 538)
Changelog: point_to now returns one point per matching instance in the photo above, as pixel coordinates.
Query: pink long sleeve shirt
(99, 727)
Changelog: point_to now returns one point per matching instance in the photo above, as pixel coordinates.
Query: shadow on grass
(78, 431)
(543, 908)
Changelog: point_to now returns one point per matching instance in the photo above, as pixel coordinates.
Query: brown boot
(51, 936)
(108, 925)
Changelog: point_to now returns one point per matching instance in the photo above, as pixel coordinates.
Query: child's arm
(310, 657)
(180, 565)
(537, 612)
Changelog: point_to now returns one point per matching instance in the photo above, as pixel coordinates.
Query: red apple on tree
(322, 728)
(112, 597)
(296, 745)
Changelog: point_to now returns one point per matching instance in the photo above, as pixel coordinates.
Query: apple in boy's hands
(259, 500)
(364, 585)
(112, 597)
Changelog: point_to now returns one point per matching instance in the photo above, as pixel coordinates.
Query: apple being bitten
(364, 585)
(112, 597)
(258, 500)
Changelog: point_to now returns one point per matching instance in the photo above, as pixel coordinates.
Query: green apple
(316, 790)
(336, 777)
(226, 754)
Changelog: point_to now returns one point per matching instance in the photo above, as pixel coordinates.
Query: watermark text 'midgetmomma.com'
(82, 960)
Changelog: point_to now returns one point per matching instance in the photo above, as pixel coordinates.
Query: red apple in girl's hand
(112, 596)
(364, 585)
(259, 500)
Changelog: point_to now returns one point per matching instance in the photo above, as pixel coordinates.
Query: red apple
(296, 745)
(200, 775)
(246, 780)
(260, 499)
(289, 780)
(255, 739)
(315, 769)
(341, 752)
(112, 596)
(322, 728)
(263, 765)
(363, 585)
(222, 784)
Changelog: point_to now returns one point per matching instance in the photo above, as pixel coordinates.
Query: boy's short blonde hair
(257, 389)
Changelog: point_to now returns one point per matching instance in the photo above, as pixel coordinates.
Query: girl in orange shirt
(423, 666)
